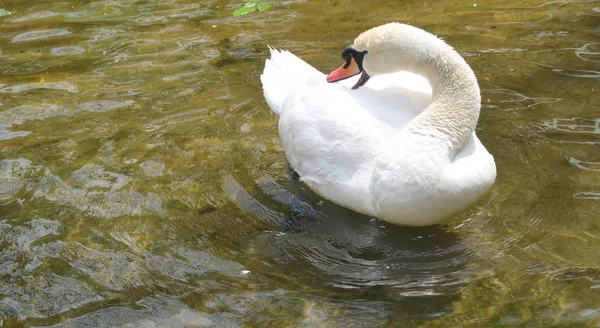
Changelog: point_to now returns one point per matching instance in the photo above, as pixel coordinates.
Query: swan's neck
(453, 113)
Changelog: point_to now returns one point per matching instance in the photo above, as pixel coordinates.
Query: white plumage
(389, 149)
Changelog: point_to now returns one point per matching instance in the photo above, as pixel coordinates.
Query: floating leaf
(4, 12)
(244, 10)
(263, 6)
(251, 6)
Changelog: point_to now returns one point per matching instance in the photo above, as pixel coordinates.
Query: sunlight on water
(143, 182)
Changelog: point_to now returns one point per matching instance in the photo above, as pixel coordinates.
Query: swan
(401, 147)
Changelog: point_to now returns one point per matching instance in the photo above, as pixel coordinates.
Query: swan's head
(386, 49)
(353, 65)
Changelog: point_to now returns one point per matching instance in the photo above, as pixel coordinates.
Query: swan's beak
(348, 69)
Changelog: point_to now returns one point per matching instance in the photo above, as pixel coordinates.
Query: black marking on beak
(358, 56)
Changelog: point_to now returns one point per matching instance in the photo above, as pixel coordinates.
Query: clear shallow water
(142, 181)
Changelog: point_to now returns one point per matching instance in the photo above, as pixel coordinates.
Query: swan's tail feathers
(284, 73)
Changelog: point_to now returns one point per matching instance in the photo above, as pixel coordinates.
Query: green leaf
(244, 10)
(251, 6)
(263, 6)
(4, 12)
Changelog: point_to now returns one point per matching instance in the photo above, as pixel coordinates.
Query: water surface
(142, 180)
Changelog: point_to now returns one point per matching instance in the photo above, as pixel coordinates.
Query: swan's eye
(347, 55)
(347, 52)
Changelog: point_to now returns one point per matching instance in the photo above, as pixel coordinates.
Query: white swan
(402, 148)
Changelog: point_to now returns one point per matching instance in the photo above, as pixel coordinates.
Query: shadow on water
(319, 246)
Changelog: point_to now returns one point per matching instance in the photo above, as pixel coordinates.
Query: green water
(143, 183)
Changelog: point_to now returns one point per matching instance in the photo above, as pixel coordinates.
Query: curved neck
(454, 110)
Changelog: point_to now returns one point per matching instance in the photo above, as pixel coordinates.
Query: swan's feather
(283, 73)
(351, 147)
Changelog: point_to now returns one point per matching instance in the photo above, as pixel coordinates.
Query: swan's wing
(473, 170)
(283, 74)
(327, 133)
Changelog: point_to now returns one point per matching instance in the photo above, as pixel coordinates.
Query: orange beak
(348, 69)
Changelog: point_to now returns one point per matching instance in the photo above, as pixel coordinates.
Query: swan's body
(402, 148)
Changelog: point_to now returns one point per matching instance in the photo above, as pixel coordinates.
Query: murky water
(142, 181)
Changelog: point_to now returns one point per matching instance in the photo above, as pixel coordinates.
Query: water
(143, 182)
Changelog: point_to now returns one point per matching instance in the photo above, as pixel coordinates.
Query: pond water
(143, 182)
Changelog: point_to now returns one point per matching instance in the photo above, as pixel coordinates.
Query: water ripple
(37, 35)
(585, 54)
(60, 85)
(244, 200)
(7, 312)
(560, 2)
(587, 195)
(511, 100)
(583, 73)
(104, 194)
(67, 51)
(33, 16)
(575, 130)
(589, 166)
(6, 134)
(354, 251)
(104, 105)
(155, 311)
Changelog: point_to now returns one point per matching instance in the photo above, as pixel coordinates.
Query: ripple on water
(101, 193)
(254, 306)
(584, 165)
(153, 168)
(113, 270)
(7, 312)
(93, 175)
(30, 293)
(181, 264)
(589, 52)
(51, 295)
(155, 311)
(505, 99)
(38, 35)
(521, 17)
(7, 135)
(24, 236)
(33, 16)
(61, 85)
(67, 51)
(581, 73)
(347, 250)
(41, 296)
(587, 195)
(20, 114)
(104, 105)
(572, 130)
(11, 173)
(502, 50)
